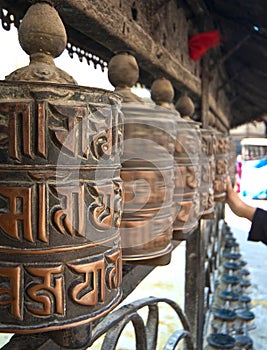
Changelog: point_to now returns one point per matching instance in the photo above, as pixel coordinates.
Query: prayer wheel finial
(123, 73)
(162, 93)
(43, 37)
(185, 106)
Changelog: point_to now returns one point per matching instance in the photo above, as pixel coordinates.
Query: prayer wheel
(232, 156)
(221, 166)
(186, 209)
(207, 162)
(187, 177)
(147, 172)
(187, 169)
(147, 168)
(60, 190)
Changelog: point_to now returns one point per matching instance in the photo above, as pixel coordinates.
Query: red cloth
(200, 43)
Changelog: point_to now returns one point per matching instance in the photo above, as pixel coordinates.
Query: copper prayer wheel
(148, 174)
(187, 169)
(187, 176)
(221, 166)
(207, 163)
(186, 157)
(147, 167)
(60, 194)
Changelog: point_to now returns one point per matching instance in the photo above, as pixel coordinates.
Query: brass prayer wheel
(147, 168)
(60, 198)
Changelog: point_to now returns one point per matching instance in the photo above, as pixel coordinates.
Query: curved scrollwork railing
(175, 338)
(146, 333)
(112, 327)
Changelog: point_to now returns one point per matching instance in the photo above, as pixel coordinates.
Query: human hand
(235, 203)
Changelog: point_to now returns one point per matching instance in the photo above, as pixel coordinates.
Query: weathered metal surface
(61, 202)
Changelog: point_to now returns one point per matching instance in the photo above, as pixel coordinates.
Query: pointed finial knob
(43, 37)
(123, 74)
(185, 106)
(162, 93)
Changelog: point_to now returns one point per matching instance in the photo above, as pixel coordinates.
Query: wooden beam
(109, 30)
(99, 20)
(205, 92)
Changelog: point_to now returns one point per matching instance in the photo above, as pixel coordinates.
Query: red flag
(200, 43)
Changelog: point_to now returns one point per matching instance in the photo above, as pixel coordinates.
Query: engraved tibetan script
(92, 288)
(69, 126)
(107, 198)
(47, 293)
(71, 219)
(114, 270)
(16, 125)
(19, 204)
(29, 128)
(16, 217)
(10, 291)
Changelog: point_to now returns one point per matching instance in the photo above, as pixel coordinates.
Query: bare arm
(237, 206)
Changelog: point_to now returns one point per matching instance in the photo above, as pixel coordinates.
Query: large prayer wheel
(60, 190)
(60, 206)
(148, 175)
(147, 168)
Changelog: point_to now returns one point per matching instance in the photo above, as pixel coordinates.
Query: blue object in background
(254, 179)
